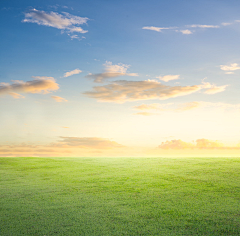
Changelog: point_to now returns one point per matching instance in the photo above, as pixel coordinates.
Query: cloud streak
(88, 142)
(184, 29)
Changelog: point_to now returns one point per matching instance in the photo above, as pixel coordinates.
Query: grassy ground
(119, 196)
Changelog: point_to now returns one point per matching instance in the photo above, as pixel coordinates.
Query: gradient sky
(120, 78)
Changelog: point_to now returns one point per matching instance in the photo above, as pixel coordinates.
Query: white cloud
(158, 29)
(229, 73)
(64, 21)
(226, 24)
(212, 88)
(111, 71)
(186, 31)
(59, 99)
(41, 84)
(216, 89)
(233, 66)
(167, 78)
(73, 72)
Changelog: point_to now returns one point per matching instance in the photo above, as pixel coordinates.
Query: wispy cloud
(230, 68)
(111, 71)
(167, 78)
(88, 142)
(15, 95)
(189, 106)
(203, 26)
(144, 113)
(41, 84)
(212, 88)
(226, 23)
(171, 107)
(64, 21)
(153, 106)
(184, 29)
(158, 29)
(73, 72)
(59, 99)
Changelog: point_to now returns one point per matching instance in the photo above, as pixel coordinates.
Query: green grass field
(119, 196)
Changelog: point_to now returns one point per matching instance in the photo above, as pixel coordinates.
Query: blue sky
(186, 51)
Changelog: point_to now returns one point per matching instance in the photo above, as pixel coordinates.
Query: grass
(119, 196)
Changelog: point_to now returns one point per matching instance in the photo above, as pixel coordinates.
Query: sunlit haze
(120, 78)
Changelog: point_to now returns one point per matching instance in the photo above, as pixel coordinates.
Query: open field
(119, 196)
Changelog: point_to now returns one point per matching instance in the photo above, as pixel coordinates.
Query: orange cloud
(175, 144)
(59, 99)
(122, 91)
(199, 144)
(88, 142)
(38, 85)
(189, 106)
(16, 95)
(145, 113)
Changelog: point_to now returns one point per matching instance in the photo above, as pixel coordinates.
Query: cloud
(158, 29)
(167, 78)
(73, 72)
(229, 73)
(64, 21)
(89, 142)
(16, 95)
(189, 106)
(186, 31)
(175, 144)
(226, 24)
(111, 71)
(145, 113)
(233, 66)
(198, 144)
(203, 26)
(122, 91)
(216, 89)
(59, 99)
(153, 106)
(147, 107)
(205, 143)
(40, 84)
(212, 88)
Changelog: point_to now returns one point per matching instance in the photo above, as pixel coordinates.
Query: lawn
(119, 196)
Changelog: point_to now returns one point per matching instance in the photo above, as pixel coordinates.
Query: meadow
(119, 196)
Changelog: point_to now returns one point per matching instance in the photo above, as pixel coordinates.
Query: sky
(120, 78)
